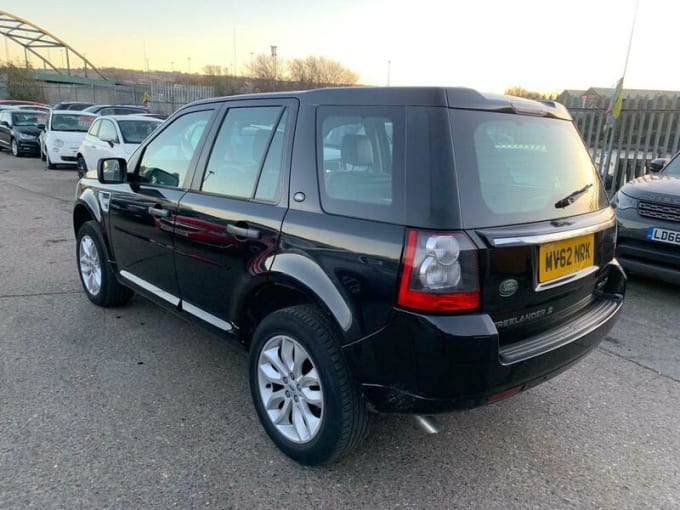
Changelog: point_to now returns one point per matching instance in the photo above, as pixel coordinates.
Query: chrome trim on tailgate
(548, 238)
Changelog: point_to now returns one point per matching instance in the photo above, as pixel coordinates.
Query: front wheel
(302, 387)
(95, 271)
(82, 166)
(15, 148)
(48, 164)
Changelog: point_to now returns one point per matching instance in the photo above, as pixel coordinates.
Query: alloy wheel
(90, 265)
(290, 389)
(15, 148)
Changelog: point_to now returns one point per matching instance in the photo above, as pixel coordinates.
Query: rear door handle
(245, 232)
(158, 212)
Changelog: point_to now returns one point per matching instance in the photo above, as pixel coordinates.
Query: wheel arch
(283, 289)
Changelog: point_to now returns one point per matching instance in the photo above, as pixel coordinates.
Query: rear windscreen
(519, 169)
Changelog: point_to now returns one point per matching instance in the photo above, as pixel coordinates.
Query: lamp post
(276, 74)
(389, 65)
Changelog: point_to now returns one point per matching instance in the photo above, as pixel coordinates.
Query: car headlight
(59, 143)
(25, 136)
(623, 201)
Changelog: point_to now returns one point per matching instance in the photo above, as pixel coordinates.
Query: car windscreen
(28, 119)
(519, 169)
(673, 168)
(134, 131)
(74, 122)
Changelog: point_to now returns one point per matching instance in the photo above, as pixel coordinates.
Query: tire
(48, 164)
(95, 271)
(82, 166)
(14, 147)
(331, 413)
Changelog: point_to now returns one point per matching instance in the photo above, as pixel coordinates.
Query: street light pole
(389, 65)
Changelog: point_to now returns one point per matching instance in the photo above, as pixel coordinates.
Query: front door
(227, 225)
(143, 211)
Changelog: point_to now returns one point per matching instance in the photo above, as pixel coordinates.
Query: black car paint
(636, 252)
(11, 132)
(406, 361)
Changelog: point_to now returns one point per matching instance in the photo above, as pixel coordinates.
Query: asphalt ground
(134, 408)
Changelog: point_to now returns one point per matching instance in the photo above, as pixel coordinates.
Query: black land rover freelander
(399, 250)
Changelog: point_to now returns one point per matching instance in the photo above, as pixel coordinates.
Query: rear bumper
(434, 364)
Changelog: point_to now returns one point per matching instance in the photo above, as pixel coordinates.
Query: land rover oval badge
(508, 287)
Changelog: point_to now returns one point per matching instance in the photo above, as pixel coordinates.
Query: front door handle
(243, 232)
(158, 212)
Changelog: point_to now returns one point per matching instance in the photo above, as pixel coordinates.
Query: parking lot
(134, 408)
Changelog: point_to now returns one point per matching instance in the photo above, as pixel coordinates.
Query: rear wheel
(82, 166)
(302, 387)
(95, 271)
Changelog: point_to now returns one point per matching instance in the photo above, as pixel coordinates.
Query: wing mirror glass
(112, 170)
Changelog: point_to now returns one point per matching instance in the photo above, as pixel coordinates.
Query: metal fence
(648, 128)
(98, 94)
(162, 97)
(167, 97)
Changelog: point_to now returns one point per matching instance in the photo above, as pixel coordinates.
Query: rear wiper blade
(571, 197)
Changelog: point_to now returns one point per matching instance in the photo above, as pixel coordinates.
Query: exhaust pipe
(428, 424)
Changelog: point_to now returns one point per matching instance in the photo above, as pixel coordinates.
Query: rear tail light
(440, 272)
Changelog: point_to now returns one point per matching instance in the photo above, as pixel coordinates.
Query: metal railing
(647, 128)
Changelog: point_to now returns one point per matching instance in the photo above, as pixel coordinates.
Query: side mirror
(4, 123)
(109, 141)
(656, 165)
(40, 126)
(112, 170)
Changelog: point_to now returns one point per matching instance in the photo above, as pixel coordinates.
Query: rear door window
(247, 151)
(520, 169)
(361, 160)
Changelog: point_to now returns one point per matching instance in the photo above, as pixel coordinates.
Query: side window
(4, 117)
(361, 159)
(167, 158)
(94, 128)
(357, 157)
(238, 156)
(107, 131)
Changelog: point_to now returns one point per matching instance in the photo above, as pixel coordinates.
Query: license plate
(662, 235)
(565, 257)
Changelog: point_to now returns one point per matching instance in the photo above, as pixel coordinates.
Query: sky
(490, 45)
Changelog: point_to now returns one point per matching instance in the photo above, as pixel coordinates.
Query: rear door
(227, 225)
(142, 211)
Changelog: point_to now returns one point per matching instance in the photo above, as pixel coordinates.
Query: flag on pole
(615, 104)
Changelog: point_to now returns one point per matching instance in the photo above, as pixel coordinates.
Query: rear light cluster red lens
(440, 272)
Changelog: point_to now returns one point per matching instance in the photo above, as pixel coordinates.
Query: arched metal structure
(38, 42)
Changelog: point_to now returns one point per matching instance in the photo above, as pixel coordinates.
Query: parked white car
(62, 136)
(113, 136)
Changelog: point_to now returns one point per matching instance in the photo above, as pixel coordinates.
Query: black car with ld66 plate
(648, 216)
(398, 250)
